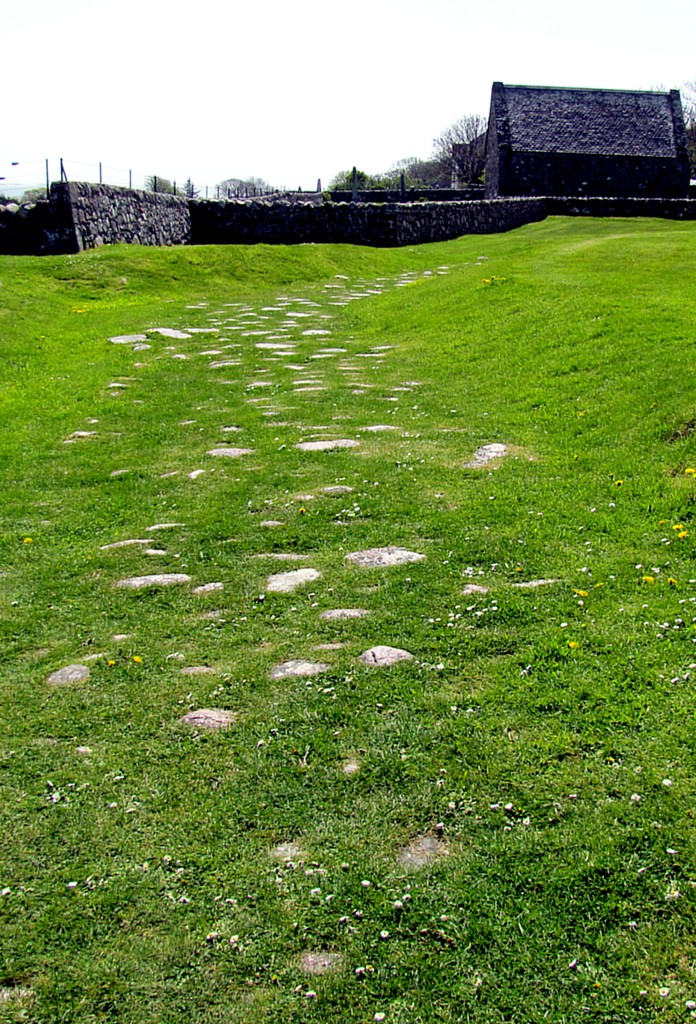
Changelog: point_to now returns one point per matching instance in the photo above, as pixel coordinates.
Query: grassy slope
(581, 358)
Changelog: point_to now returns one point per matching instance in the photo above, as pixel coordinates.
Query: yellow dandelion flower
(573, 644)
(683, 534)
(678, 526)
(27, 540)
(580, 593)
(597, 586)
(671, 580)
(648, 579)
(137, 659)
(618, 483)
(690, 471)
(302, 511)
(111, 662)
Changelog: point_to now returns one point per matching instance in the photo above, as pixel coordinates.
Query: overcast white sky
(297, 90)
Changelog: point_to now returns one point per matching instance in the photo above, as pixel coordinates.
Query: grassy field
(500, 828)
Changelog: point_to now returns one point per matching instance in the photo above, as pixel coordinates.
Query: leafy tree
(236, 188)
(154, 183)
(344, 180)
(460, 149)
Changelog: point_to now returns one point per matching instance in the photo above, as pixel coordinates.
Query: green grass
(523, 732)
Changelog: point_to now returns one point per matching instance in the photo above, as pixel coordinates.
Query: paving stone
(208, 588)
(320, 961)
(198, 670)
(127, 339)
(422, 851)
(221, 363)
(156, 580)
(162, 526)
(532, 584)
(141, 347)
(121, 544)
(195, 473)
(378, 428)
(286, 582)
(378, 557)
(326, 446)
(230, 453)
(337, 489)
(485, 454)
(474, 588)
(69, 674)
(208, 718)
(383, 656)
(298, 667)
(341, 614)
(270, 523)
(169, 332)
(154, 551)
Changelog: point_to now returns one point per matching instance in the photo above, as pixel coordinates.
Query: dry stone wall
(105, 214)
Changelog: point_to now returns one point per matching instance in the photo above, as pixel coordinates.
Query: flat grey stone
(320, 961)
(286, 582)
(160, 579)
(208, 718)
(390, 555)
(208, 588)
(326, 446)
(69, 674)
(383, 656)
(279, 557)
(422, 851)
(140, 347)
(351, 766)
(485, 454)
(340, 614)
(378, 428)
(532, 584)
(474, 588)
(122, 544)
(169, 332)
(127, 339)
(198, 670)
(271, 522)
(298, 667)
(162, 526)
(230, 453)
(219, 364)
(337, 490)
(195, 473)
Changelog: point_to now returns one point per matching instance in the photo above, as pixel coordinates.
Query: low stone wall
(670, 209)
(88, 216)
(228, 222)
(409, 195)
(24, 229)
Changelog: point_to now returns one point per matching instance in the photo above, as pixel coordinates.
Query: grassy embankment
(544, 735)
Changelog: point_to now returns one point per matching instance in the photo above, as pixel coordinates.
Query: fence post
(318, 184)
(154, 183)
(174, 188)
(354, 185)
(48, 186)
(63, 175)
(130, 179)
(100, 172)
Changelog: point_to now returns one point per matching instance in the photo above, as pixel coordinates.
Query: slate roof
(597, 121)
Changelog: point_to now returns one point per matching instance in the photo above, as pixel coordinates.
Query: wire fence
(31, 179)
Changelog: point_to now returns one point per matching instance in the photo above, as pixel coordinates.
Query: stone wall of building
(577, 174)
(600, 206)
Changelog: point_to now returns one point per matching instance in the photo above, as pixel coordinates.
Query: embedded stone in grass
(208, 588)
(280, 557)
(326, 446)
(121, 544)
(231, 430)
(340, 614)
(532, 584)
(474, 588)
(154, 551)
(140, 347)
(298, 668)
(378, 557)
(208, 718)
(83, 750)
(79, 435)
(422, 851)
(287, 851)
(320, 962)
(162, 526)
(221, 363)
(195, 473)
(169, 332)
(118, 637)
(337, 489)
(127, 339)
(69, 674)
(160, 579)
(378, 428)
(286, 582)
(271, 522)
(383, 656)
(230, 453)
(198, 670)
(328, 647)
(351, 766)
(485, 454)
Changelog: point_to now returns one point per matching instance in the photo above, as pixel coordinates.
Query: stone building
(585, 142)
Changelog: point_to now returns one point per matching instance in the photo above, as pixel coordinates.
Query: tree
(460, 150)
(190, 190)
(238, 188)
(155, 183)
(689, 106)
